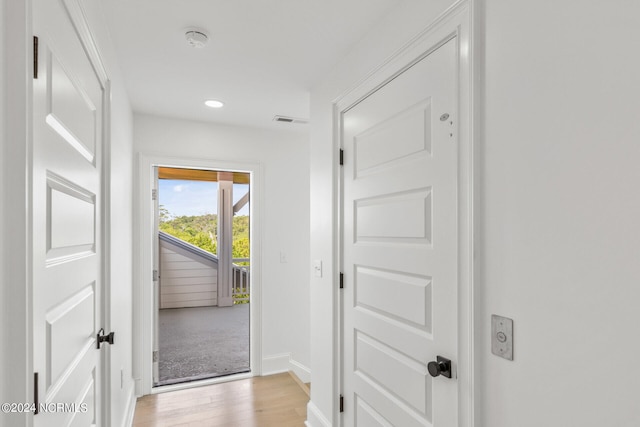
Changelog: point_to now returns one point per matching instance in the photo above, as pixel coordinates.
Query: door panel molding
(454, 24)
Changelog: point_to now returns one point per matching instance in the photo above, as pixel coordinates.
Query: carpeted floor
(203, 342)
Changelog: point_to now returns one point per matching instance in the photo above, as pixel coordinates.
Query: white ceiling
(262, 58)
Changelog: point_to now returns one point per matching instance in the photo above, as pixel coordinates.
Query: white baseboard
(283, 362)
(300, 370)
(131, 407)
(315, 418)
(138, 387)
(275, 364)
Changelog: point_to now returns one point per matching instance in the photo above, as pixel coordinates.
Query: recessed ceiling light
(213, 103)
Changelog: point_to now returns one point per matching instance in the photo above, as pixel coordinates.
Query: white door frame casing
(143, 262)
(455, 23)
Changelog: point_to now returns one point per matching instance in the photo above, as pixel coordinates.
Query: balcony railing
(241, 280)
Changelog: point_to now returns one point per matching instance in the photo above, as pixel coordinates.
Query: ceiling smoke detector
(196, 38)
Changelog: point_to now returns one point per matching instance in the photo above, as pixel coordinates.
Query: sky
(193, 198)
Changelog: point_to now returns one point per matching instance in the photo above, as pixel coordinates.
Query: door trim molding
(143, 265)
(455, 23)
(315, 418)
(78, 17)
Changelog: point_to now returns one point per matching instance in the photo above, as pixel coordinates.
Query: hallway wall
(2, 202)
(285, 157)
(15, 365)
(121, 190)
(557, 210)
(558, 215)
(3, 142)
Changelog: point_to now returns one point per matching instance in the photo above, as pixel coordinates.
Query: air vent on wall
(285, 119)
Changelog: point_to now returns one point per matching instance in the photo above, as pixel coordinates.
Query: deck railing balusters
(241, 280)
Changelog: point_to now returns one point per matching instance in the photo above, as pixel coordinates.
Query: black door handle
(101, 337)
(441, 366)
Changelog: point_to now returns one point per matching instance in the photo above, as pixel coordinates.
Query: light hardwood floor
(275, 400)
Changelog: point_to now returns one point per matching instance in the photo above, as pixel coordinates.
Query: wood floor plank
(306, 387)
(271, 401)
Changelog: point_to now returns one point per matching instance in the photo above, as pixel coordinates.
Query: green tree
(201, 231)
(164, 214)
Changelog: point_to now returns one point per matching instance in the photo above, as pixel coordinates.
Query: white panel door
(66, 187)
(400, 248)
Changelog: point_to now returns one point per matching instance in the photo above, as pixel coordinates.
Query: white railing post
(225, 239)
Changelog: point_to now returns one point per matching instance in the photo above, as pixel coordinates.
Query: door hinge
(156, 276)
(35, 57)
(154, 356)
(154, 194)
(341, 403)
(341, 280)
(36, 398)
(101, 337)
(341, 157)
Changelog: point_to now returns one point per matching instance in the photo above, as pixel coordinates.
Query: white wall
(558, 208)
(3, 318)
(285, 215)
(16, 374)
(121, 191)
(15, 371)
(122, 394)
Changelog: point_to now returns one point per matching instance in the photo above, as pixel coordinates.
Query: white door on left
(67, 178)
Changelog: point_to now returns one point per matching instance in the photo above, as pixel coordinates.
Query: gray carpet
(203, 342)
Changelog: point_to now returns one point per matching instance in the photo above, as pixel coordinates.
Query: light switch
(283, 257)
(317, 267)
(502, 336)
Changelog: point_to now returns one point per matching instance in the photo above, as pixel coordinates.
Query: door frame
(454, 23)
(143, 268)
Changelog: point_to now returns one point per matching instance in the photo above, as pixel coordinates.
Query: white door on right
(400, 260)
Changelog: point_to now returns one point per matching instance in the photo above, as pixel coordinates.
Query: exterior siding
(186, 279)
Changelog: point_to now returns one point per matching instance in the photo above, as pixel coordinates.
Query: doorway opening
(202, 274)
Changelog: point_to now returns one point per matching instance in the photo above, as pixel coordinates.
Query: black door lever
(110, 338)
